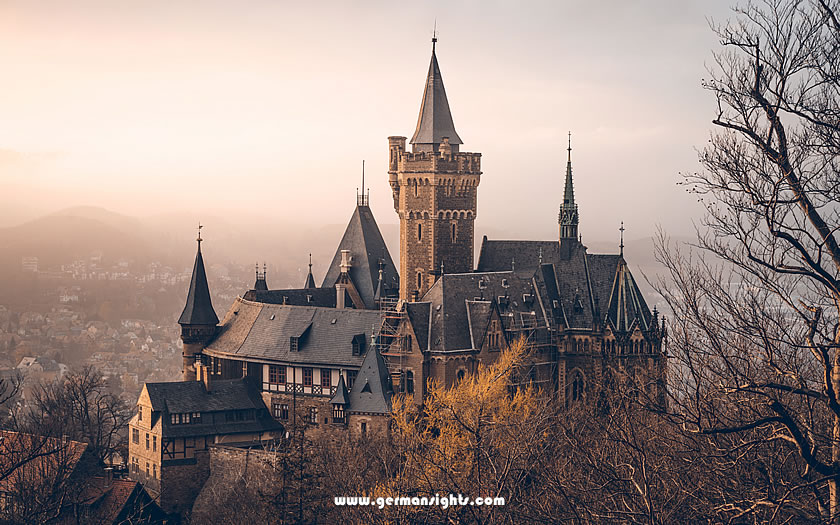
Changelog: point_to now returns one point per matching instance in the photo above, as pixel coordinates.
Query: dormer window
(294, 344)
(359, 344)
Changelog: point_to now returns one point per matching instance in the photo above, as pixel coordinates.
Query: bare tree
(757, 332)
(81, 407)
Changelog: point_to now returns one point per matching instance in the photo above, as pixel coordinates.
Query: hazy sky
(267, 108)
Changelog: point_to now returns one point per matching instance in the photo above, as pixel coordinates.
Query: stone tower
(435, 187)
(198, 320)
(568, 217)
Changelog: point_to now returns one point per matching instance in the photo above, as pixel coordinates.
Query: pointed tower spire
(198, 320)
(310, 281)
(434, 124)
(568, 217)
(199, 308)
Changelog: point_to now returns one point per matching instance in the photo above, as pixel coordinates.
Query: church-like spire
(568, 217)
(435, 120)
(199, 308)
(310, 281)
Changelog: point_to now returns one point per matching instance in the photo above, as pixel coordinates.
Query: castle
(331, 357)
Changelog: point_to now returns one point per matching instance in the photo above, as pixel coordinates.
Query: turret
(568, 217)
(198, 320)
(435, 189)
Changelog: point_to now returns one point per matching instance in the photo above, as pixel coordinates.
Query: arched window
(409, 382)
(586, 346)
(454, 232)
(577, 386)
(459, 376)
(415, 187)
(419, 231)
(419, 279)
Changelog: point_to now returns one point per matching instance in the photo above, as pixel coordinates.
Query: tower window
(409, 382)
(454, 232)
(419, 231)
(419, 279)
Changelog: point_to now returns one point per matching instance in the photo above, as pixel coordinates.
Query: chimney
(345, 261)
(339, 294)
(204, 376)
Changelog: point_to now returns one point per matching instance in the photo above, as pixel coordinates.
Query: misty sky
(264, 110)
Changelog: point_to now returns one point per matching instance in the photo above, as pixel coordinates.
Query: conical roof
(199, 308)
(435, 120)
(367, 247)
(342, 396)
(372, 390)
(627, 307)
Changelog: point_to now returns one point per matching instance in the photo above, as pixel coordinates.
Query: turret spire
(199, 308)
(434, 124)
(568, 217)
(310, 281)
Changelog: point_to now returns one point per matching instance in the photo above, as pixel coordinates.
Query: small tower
(310, 281)
(435, 190)
(260, 284)
(568, 217)
(198, 320)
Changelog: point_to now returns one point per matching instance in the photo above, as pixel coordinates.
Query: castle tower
(198, 320)
(435, 187)
(568, 217)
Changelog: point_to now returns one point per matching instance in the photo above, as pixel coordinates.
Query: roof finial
(621, 246)
(540, 254)
(434, 36)
(310, 263)
(362, 198)
(570, 146)
(199, 239)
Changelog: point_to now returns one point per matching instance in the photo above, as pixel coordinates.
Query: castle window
(276, 374)
(364, 429)
(244, 369)
(294, 343)
(313, 415)
(419, 279)
(139, 413)
(147, 441)
(351, 378)
(460, 375)
(135, 436)
(409, 382)
(154, 443)
(415, 188)
(307, 377)
(419, 231)
(338, 413)
(577, 386)
(454, 232)
(326, 382)
(280, 411)
(359, 344)
(154, 470)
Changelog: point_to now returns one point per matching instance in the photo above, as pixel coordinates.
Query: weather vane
(621, 246)
(200, 226)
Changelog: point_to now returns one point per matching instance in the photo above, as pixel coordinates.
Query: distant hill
(68, 234)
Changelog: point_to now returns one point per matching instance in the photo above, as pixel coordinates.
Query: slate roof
(626, 307)
(367, 248)
(458, 304)
(298, 297)
(587, 287)
(372, 390)
(418, 314)
(342, 396)
(199, 308)
(435, 119)
(190, 396)
(224, 395)
(263, 331)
